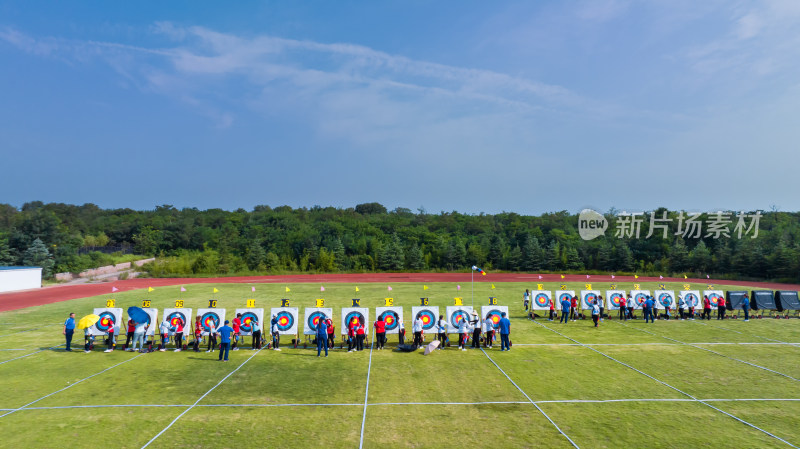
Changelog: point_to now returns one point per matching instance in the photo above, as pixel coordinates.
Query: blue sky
(470, 106)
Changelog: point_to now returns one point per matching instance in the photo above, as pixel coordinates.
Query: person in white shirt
(681, 307)
(138, 336)
(212, 336)
(463, 330)
(596, 312)
(629, 303)
(475, 324)
(401, 330)
(488, 327)
(441, 327)
(417, 329)
(163, 330)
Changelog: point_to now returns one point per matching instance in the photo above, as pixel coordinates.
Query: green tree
(553, 256)
(256, 255)
(6, 256)
(414, 260)
(574, 261)
(148, 241)
(392, 257)
(701, 257)
(532, 254)
(515, 259)
(679, 256)
(624, 260)
(497, 251)
(37, 255)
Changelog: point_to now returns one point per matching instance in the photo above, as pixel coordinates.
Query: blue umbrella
(138, 314)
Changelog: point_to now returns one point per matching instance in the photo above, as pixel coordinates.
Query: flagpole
(473, 287)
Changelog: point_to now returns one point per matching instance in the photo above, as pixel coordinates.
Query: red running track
(58, 293)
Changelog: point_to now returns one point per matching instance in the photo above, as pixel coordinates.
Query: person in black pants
(212, 339)
(69, 330)
(476, 331)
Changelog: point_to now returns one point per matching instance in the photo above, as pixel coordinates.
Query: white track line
(676, 389)
(366, 393)
(713, 352)
(32, 353)
(372, 404)
(70, 386)
(201, 398)
(530, 400)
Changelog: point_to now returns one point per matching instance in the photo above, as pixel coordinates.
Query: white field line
(366, 393)
(530, 400)
(28, 355)
(676, 389)
(713, 352)
(69, 386)
(742, 333)
(28, 330)
(372, 404)
(16, 349)
(653, 344)
(200, 399)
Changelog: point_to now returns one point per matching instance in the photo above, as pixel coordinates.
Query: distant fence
(124, 249)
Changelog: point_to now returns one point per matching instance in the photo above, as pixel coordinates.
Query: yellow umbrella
(88, 321)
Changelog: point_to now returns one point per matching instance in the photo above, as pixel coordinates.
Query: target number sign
(636, 287)
(388, 302)
(110, 303)
(179, 304)
(588, 286)
(563, 287)
(356, 302)
(176, 316)
(319, 302)
(458, 301)
(145, 303)
(687, 286)
(616, 298)
(429, 316)
(613, 286)
(423, 301)
(392, 317)
(710, 287)
(662, 286)
(540, 287)
(212, 303)
(492, 301)
(285, 320)
(494, 313)
(541, 300)
(251, 303)
(284, 302)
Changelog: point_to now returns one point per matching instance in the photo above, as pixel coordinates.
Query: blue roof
(17, 268)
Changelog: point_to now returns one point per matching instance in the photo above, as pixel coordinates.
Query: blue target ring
(285, 320)
(714, 298)
(589, 299)
(247, 318)
(665, 299)
(691, 300)
(542, 300)
(314, 318)
(617, 300)
(428, 319)
(640, 298)
(457, 317)
(107, 321)
(389, 320)
(564, 296)
(348, 319)
(208, 319)
(175, 318)
(495, 315)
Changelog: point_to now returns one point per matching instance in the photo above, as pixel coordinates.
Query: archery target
(714, 296)
(312, 317)
(494, 313)
(639, 297)
(355, 313)
(562, 295)
(692, 298)
(588, 297)
(109, 318)
(249, 315)
(174, 316)
(615, 298)
(428, 314)
(455, 314)
(152, 320)
(287, 320)
(541, 299)
(210, 317)
(665, 298)
(388, 315)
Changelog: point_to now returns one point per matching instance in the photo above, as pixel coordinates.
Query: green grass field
(669, 384)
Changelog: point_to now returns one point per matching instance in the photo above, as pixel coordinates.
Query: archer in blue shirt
(565, 306)
(322, 337)
(746, 307)
(225, 333)
(69, 329)
(505, 329)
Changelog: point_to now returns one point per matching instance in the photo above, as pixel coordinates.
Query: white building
(20, 278)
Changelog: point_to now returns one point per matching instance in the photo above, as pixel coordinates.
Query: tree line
(368, 237)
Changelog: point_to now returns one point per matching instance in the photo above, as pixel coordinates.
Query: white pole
(473, 287)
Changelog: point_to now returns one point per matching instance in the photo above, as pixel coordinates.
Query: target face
(175, 316)
(616, 299)
(351, 314)
(665, 298)
(286, 320)
(714, 296)
(541, 300)
(639, 297)
(565, 294)
(250, 316)
(209, 318)
(692, 298)
(428, 314)
(494, 313)
(312, 317)
(588, 297)
(109, 318)
(457, 314)
(392, 316)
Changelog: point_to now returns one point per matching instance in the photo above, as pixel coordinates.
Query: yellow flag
(492, 286)
(215, 290)
(150, 289)
(287, 290)
(685, 277)
(424, 287)
(357, 289)
(636, 276)
(562, 276)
